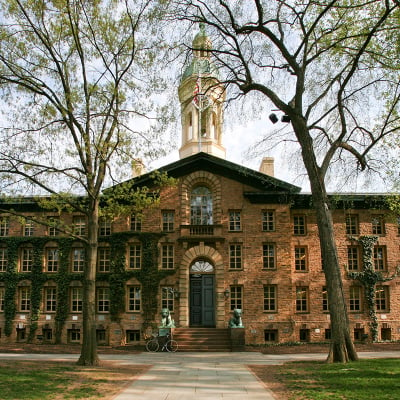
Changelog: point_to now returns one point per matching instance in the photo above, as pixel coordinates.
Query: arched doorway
(202, 294)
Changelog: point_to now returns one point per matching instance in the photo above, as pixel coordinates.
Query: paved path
(200, 376)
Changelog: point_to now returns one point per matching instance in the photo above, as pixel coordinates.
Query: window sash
(76, 300)
(103, 299)
(268, 221)
(269, 256)
(270, 303)
(299, 224)
(3, 259)
(235, 256)
(135, 256)
(103, 261)
(302, 299)
(351, 224)
(4, 226)
(78, 259)
(26, 260)
(167, 256)
(50, 299)
(300, 258)
(52, 258)
(134, 298)
(236, 297)
(168, 221)
(235, 223)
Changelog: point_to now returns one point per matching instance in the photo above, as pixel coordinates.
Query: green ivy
(369, 278)
(149, 276)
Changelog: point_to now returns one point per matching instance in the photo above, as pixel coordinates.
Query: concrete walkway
(200, 376)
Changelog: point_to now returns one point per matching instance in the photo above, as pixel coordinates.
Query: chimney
(267, 166)
(138, 168)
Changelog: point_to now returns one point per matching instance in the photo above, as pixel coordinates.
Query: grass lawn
(362, 380)
(63, 380)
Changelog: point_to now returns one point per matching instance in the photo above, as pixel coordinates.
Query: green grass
(61, 380)
(362, 380)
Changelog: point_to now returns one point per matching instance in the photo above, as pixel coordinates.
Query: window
(270, 303)
(268, 221)
(3, 259)
(299, 224)
(351, 224)
(380, 258)
(236, 296)
(52, 256)
(398, 225)
(355, 298)
(74, 335)
(76, 299)
(26, 259)
(78, 259)
(235, 256)
(378, 226)
(134, 298)
(24, 299)
(104, 227)
(2, 294)
(135, 256)
(382, 298)
(302, 299)
(168, 218)
(167, 298)
(79, 224)
(235, 223)
(269, 256)
(304, 335)
(53, 223)
(300, 258)
(270, 335)
(353, 258)
(28, 227)
(324, 299)
(103, 299)
(50, 299)
(167, 256)
(103, 259)
(4, 226)
(132, 335)
(201, 206)
(136, 223)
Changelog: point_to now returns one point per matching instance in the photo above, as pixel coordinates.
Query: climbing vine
(148, 275)
(369, 278)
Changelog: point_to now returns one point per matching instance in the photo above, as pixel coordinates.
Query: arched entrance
(202, 294)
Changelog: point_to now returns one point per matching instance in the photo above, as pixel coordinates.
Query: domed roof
(201, 63)
(201, 41)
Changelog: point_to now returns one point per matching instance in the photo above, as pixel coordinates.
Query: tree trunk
(342, 348)
(89, 344)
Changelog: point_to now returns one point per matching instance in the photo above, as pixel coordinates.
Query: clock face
(201, 101)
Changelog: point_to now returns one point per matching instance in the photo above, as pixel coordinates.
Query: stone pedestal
(237, 339)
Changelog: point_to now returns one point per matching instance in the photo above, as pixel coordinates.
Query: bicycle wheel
(152, 345)
(172, 345)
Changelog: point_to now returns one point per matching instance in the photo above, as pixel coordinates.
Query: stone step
(203, 339)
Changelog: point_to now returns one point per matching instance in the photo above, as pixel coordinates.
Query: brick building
(223, 237)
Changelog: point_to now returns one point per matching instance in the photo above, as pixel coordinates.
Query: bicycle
(153, 345)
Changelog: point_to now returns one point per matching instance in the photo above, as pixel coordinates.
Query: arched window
(190, 127)
(201, 206)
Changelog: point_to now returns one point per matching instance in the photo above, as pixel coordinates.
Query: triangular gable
(206, 162)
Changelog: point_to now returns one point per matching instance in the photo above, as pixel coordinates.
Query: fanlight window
(201, 266)
(201, 206)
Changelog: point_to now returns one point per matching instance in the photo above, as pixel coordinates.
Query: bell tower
(201, 95)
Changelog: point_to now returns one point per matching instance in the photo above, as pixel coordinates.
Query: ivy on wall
(149, 277)
(369, 278)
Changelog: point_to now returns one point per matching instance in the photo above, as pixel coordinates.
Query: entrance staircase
(202, 339)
